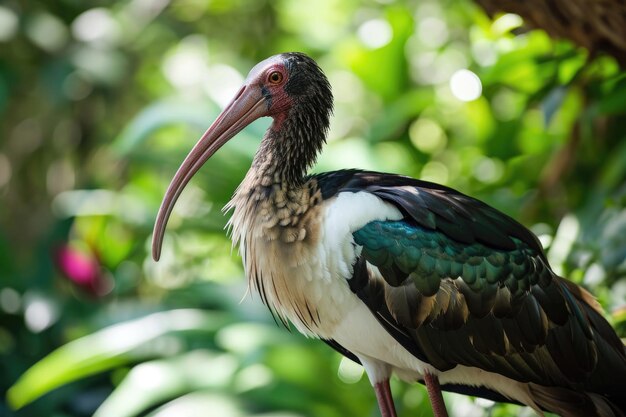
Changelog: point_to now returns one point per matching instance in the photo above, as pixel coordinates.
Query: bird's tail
(602, 393)
(570, 403)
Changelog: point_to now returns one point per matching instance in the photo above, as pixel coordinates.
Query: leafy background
(99, 103)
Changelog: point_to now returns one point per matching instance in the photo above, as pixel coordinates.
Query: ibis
(403, 276)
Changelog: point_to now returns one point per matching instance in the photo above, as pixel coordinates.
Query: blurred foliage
(99, 103)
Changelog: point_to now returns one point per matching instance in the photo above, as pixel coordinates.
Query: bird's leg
(434, 394)
(385, 401)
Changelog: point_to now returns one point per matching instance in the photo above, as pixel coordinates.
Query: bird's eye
(275, 77)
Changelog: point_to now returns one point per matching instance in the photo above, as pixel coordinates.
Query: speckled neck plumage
(276, 211)
(290, 147)
(275, 196)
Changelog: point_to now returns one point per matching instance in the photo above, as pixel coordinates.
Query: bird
(403, 276)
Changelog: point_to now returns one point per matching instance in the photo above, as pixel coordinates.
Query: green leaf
(382, 69)
(396, 116)
(103, 350)
(198, 404)
(151, 383)
(614, 101)
(163, 113)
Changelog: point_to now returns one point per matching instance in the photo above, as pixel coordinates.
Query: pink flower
(82, 268)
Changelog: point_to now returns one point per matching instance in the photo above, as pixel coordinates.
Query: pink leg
(385, 401)
(434, 394)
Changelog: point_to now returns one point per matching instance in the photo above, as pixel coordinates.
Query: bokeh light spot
(39, 313)
(47, 32)
(563, 241)
(433, 32)
(252, 377)
(594, 275)
(60, 177)
(76, 87)
(196, 404)
(26, 137)
(375, 33)
(427, 136)
(8, 24)
(222, 82)
(464, 406)
(484, 52)
(349, 372)
(435, 67)
(10, 300)
(347, 87)
(465, 85)
(187, 65)
(5, 170)
(96, 25)
(151, 376)
(506, 23)
(483, 402)
(435, 171)
(488, 170)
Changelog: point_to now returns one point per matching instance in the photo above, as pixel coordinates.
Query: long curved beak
(247, 106)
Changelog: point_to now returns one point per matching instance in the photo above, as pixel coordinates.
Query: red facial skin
(281, 102)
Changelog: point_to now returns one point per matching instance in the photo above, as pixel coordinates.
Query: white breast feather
(324, 277)
(345, 215)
